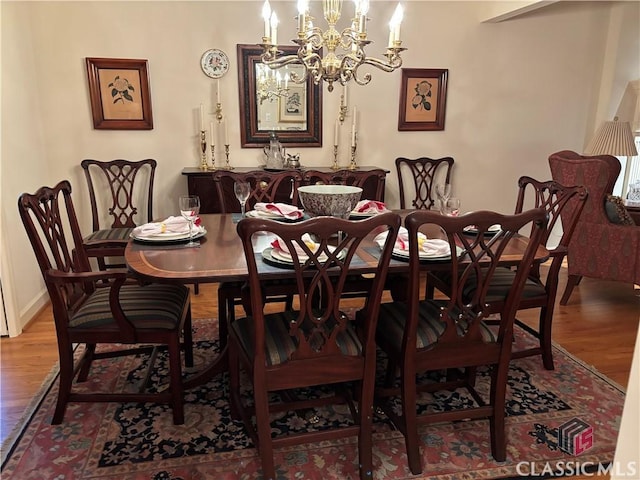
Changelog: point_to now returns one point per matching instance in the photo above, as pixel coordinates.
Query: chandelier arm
(387, 66)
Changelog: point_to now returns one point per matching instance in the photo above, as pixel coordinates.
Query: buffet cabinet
(371, 179)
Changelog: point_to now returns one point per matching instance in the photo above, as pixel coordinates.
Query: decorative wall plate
(214, 63)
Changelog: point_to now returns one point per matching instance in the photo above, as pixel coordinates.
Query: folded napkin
(433, 247)
(279, 244)
(280, 209)
(370, 206)
(169, 225)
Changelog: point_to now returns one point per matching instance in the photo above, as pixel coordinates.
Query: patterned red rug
(134, 441)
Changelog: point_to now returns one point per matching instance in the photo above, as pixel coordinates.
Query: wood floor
(598, 326)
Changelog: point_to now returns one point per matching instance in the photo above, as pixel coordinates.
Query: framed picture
(292, 107)
(423, 98)
(119, 91)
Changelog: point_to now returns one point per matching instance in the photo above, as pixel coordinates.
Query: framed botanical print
(423, 98)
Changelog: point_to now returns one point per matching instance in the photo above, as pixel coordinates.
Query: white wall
(518, 90)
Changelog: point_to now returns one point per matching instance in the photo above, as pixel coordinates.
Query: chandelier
(330, 55)
(269, 84)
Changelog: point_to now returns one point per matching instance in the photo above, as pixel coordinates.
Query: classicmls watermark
(576, 437)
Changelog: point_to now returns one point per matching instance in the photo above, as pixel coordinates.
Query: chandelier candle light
(344, 50)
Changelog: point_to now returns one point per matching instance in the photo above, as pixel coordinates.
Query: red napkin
(287, 211)
(370, 206)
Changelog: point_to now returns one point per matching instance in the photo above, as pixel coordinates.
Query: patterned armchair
(599, 248)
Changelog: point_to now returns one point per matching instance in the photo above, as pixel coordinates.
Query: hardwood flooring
(598, 326)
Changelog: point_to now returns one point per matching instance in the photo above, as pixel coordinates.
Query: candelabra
(353, 165)
(219, 112)
(331, 66)
(335, 165)
(343, 108)
(269, 84)
(203, 148)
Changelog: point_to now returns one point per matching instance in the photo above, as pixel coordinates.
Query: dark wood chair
(265, 187)
(420, 173)
(94, 308)
(451, 334)
(369, 180)
(315, 345)
(539, 292)
(130, 184)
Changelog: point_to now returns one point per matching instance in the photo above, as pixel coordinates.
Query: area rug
(566, 417)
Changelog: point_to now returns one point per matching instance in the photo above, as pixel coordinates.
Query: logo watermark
(575, 436)
(571, 468)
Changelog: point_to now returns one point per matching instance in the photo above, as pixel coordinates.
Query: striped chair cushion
(393, 316)
(151, 306)
(107, 235)
(500, 285)
(279, 344)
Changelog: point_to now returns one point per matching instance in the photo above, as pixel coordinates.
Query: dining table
(220, 257)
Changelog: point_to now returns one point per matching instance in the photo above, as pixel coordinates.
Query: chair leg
(65, 382)
(365, 447)
(87, 359)
(235, 405)
(497, 420)
(546, 319)
(175, 375)
(265, 447)
(196, 288)
(409, 419)
(188, 340)
(572, 281)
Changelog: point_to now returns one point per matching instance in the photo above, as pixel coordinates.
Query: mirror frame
(250, 136)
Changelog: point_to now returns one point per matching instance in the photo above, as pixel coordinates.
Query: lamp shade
(613, 138)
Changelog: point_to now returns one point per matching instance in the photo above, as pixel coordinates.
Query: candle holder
(203, 148)
(213, 158)
(343, 109)
(219, 112)
(226, 152)
(353, 165)
(335, 165)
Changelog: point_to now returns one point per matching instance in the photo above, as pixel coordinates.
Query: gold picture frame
(423, 99)
(119, 93)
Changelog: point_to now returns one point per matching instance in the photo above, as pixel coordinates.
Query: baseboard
(33, 308)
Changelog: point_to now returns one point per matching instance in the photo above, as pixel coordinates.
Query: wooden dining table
(220, 258)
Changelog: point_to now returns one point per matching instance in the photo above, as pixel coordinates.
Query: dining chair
(539, 291)
(369, 180)
(600, 248)
(318, 344)
(430, 335)
(130, 185)
(266, 187)
(94, 308)
(421, 174)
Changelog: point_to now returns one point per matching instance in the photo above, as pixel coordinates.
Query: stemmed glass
(443, 191)
(242, 191)
(189, 209)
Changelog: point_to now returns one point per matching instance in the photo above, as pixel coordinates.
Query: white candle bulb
(394, 26)
(212, 133)
(274, 28)
(266, 15)
(201, 118)
(336, 134)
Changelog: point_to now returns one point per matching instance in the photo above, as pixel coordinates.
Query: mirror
(296, 116)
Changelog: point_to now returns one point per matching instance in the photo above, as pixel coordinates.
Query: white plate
(404, 254)
(271, 216)
(169, 236)
(283, 256)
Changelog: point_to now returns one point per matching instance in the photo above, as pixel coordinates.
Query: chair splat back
(266, 187)
(421, 174)
(120, 176)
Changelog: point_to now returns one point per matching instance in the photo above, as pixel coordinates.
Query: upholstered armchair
(599, 248)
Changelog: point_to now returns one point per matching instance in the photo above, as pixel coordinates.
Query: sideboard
(200, 182)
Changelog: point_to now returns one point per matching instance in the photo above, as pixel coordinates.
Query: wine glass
(443, 191)
(242, 191)
(452, 207)
(189, 209)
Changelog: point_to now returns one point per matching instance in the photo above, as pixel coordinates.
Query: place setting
(281, 212)
(367, 208)
(183, 230)
(430, 249)
(278, 254)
